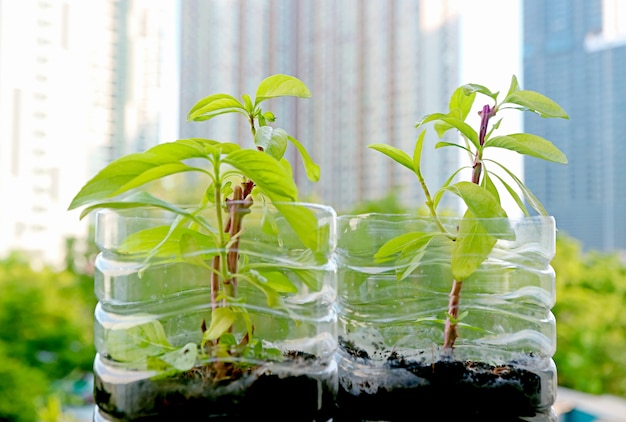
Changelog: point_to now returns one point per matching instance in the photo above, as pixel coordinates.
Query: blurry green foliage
(46, 333)
(389, 204)
(591, 327)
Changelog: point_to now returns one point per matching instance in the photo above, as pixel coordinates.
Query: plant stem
(236, 207)
(450, 333)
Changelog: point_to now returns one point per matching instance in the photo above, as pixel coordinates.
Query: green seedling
(485, 220)
(237, 178)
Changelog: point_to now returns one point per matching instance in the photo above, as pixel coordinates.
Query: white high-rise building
(80, 84)
(374, 69)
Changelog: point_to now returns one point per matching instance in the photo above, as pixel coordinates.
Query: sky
(491, 46)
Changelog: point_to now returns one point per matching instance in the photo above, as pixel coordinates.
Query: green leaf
(221, 321)
(528, 144)
(481, 202)
(469, 89)
(430, 118)
(266, 172)
(513, 194)
(182, 359)
(417, 152)
(281, 86)
(273, 141)
(139, 199)
(487, 183)
(303, 222)
(398, 244)
(464, 128)
(165, 240)
(484, 206)
(452, 121)
(131, 343)
(514, 87)
(441, 128)
(530, 197)
(441, 144)
(473, 245)
(312, 170)
(308, 277)
(439, 194)
(461, 103)
(271, 283)
(415, 253)
(278, 281)
(536, 102)
(133, 170)
(395, 154)
(247, 104)
(214, 105)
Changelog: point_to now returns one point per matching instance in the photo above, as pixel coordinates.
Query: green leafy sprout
(484, 221)
(259, 172)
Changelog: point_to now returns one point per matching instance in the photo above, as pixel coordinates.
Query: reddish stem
(450, 333)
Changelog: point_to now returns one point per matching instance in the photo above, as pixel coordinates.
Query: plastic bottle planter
(153, 361)
(391, 360)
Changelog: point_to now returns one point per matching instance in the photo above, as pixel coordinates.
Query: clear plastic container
(152, 363)
(391, 331)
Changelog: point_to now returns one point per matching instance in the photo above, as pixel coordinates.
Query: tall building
(575, 53)
(374, 68)
(80, 87)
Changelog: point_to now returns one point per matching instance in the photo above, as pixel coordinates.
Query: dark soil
(255, 395)
(445, 390)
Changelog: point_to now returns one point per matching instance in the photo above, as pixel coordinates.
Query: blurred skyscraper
(80, 84)
(575, 52)
(373, 67)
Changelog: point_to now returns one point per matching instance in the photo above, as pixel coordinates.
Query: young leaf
(514, 87)
(137, 200)
(417, 152)
(441, 144)
(221, 321)
(272, 141)
(530, 197)
(537, 103)
(464, 128)
(266, 172)
(430, 118)
(395, 154)
(302, 221)
(461, 103)
(133, 170)
(399, 243)
(481, 202)
(134, 343)
(276, 280)
(274, 300)
(485, 207)
(214, 105)
(513, 194)
(167, 239)
(182, 359)
(312, 170)
(281, 86)
(415, 252)
(469, 89)
(472, 247)
(528, 144)
(487, 183)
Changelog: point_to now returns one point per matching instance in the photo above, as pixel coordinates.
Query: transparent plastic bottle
(391, 359)
(153, 310)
